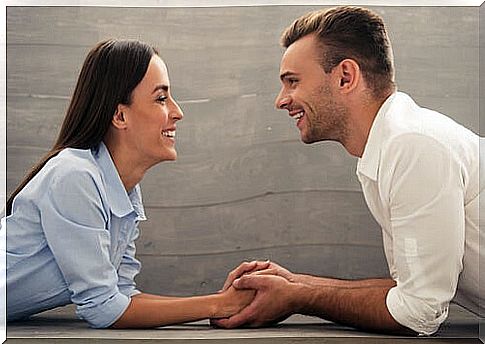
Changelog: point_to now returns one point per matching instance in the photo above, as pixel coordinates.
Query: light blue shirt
(70, 239)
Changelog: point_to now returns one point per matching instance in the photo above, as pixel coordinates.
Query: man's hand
(274, 301)
(280, 293)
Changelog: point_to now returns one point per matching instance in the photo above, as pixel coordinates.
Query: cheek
(163, 118)
(304, 97)
(157, 121)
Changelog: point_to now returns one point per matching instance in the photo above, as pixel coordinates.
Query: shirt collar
(136, 202)
(368, 164)
(120, 202)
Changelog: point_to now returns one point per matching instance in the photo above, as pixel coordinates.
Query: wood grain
(244, 186)
(275, 220)
(189, 275)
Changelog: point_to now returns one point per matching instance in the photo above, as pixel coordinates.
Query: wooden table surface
(62, 326)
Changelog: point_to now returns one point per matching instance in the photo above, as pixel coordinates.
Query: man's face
(308, 93)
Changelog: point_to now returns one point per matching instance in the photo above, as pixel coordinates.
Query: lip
(172, 139)
(294, 112)
(299, 122)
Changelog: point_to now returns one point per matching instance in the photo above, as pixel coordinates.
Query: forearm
(147, 311)
(155, 297)
(341, 283)
(361, 304)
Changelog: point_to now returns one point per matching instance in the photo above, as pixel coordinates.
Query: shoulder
(74, 165)
(406, 119)
(410, 128)
(73, 185)
(72, 172)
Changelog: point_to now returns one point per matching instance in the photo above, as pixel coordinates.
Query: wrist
(298, 278)
(215, 305)
(303, 297)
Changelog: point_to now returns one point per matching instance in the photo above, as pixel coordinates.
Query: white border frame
(143, 3)
(228, 3)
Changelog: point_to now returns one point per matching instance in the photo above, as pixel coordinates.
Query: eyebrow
(285, 75)
(160, 87)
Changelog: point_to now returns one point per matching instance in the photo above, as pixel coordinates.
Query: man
(419, 172)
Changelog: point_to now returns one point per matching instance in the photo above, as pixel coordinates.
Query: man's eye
(161, 99)
(292, 81)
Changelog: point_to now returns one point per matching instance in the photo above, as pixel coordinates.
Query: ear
(349, 75)
(119, 120)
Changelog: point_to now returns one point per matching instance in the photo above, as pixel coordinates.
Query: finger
(261, 265)
(243, 268)
(236, 273)
(274, 265)
(265, 272)
(231, 276)
(242, 318)
(216, 322)
(252, 281)
(221, 323)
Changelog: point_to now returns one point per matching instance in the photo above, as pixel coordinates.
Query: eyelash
(162, 99)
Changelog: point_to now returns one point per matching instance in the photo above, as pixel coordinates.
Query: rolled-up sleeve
(428, 231)
(75, 225)
(129, 268)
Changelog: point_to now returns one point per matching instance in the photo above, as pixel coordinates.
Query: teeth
(297, 115)
(168, 133)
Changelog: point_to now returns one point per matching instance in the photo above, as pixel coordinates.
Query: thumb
(255, 282)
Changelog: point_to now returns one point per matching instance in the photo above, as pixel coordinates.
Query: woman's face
(152, 115)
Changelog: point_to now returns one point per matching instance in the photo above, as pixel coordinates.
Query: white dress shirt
(420, 177)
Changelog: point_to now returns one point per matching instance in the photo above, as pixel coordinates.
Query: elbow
(415, 315)
(106, 314)
(395, 328)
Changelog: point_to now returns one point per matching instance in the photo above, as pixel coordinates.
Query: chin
(306, 139)
(172, 157)
(169, 156)
(310, 137)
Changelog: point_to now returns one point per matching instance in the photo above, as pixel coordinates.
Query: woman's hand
(232, 301)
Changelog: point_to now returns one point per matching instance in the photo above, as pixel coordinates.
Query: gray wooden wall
(244, 185)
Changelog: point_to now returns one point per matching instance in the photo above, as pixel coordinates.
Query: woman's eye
(162, 99)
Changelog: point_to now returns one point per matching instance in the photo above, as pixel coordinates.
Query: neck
(130, 170)
(362, 117)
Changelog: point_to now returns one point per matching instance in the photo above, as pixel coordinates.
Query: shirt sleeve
(426, 205)
(74, 221)
(129, 268)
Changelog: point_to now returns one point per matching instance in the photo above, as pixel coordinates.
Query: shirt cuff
(134, 292)
(128, 290)
(414, 313)
(105, 314)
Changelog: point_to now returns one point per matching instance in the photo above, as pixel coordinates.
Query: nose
(282, 100)
(176, 113)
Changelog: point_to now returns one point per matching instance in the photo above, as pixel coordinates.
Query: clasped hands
(275, 293)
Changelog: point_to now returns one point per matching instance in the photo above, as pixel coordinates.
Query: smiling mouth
(298, 115)
(169, 133)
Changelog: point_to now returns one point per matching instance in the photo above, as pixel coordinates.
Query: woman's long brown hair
(108, 76)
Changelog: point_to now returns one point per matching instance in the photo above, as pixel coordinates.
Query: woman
(73, 220)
